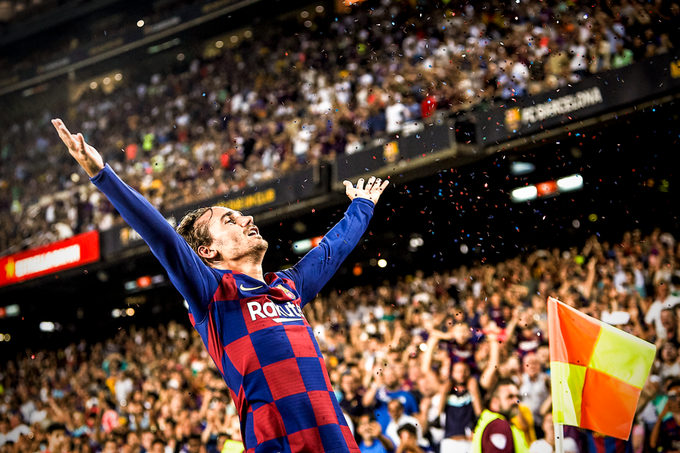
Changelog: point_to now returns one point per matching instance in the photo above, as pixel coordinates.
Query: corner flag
(597, 371)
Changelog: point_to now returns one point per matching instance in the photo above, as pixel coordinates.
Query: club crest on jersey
(277, 312)
(286, 291)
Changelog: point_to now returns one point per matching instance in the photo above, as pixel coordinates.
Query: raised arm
(193, 279)
(319, 265)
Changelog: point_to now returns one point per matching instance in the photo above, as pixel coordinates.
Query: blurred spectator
(398, 419)
(371, 435)
(665, 436)
(387, 386)
(547, 443)
(408, 439)
(535, 386)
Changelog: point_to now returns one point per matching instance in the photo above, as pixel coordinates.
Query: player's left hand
(372, 191)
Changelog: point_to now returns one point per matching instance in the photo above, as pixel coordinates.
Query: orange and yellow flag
(597, 371)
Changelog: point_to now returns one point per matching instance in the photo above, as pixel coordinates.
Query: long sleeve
(314, 270)
(192, 278)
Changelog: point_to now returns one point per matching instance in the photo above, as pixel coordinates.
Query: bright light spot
(118, 77)
(93, 85)
(75, 178)
(415, 242)
(319, 9)
(592, 217)
(2, 337)
(180, 56)
(7, 337)
(140, 23)
(130, 311)
(585, 16)
(107, 80)
(464, 249)
(568, 183)
(47, 326)
(524, 193)
(234, 39)
(423, 347)
(382, 263)
(308, 23)
(115, 313)
(576, 223)
(521, 168)
(219, 44)
(247, 34)
(304, 14)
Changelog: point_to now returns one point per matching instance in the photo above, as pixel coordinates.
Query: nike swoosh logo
(243, 288)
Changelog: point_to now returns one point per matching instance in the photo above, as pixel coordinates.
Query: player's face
(234, 235)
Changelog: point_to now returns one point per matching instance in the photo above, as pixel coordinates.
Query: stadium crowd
(412, 361)
(289, 98)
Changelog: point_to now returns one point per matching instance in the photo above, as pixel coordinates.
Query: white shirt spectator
(395, 116)
(534, 392)
(393, 427)
(14, 435)
(653, 314)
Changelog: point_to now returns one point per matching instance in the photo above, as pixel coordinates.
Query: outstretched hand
(88, 157)
(372, 191)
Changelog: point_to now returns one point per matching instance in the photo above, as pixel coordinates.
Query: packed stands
(407, 340)
(291, 98)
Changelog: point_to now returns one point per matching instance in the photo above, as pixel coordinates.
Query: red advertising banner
(55, 257)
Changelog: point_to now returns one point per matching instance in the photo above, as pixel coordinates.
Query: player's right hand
(88, 157)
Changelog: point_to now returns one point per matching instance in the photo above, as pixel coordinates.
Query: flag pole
(559, 438)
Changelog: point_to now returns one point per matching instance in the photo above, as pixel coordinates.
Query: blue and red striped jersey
(256, 331)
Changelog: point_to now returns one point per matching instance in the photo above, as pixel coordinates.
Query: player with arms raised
(251, 323)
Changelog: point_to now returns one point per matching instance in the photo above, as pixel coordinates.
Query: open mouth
(253, 232)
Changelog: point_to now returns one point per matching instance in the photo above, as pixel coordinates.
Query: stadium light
(47, 326)
(140, 23)
(521, 168)
(568, 183)
(382, 263)
(524, 194)
(302, 246)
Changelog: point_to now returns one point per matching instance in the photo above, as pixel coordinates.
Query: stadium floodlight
(526, 193)
(568, 183)
(302, 246)
(47, 326)
(382, 263)
(521, 168)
